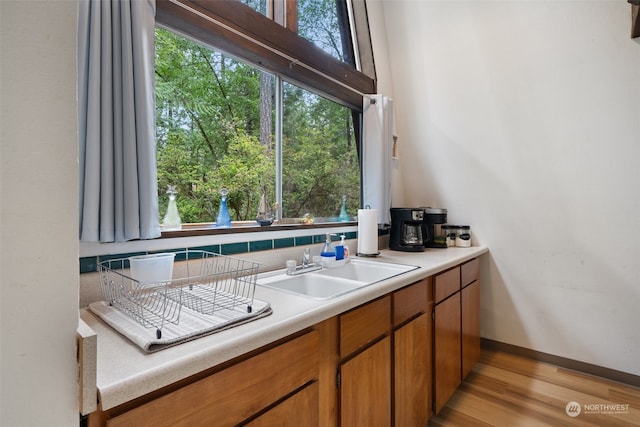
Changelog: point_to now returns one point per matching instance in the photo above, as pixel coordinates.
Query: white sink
(332, 282)
(311, 285)
(367, 271)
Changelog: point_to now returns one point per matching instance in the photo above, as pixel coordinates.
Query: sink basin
(333, 282)
(311, 285)
(367, 271)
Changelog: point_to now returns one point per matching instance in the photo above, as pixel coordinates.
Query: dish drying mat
(192, 324)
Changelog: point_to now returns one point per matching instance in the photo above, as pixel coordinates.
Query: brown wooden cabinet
(470, 315)
(412, 354)
(301, 409)
(384, 363)
(447, 341)
(364, 324)
(275, 379)
(385, 348)
(456, 329)
(365, 366)
(470, 297)
(365, 387)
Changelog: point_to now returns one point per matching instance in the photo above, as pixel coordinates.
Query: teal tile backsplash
(284, 243)
(304, 240)
(260, 245)
(234, 248)
(90, 264)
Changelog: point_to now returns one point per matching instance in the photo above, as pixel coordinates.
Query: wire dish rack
(203, 281)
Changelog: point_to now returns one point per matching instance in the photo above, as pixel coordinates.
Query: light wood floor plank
(508, 390)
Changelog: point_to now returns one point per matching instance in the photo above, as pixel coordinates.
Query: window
(319, 156)
(236, 120)
(325, 24)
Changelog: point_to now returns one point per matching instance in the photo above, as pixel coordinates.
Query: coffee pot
(407, 229)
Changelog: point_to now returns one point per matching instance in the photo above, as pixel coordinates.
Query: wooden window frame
(240, 31)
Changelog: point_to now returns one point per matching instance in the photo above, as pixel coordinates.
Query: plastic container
(152, 269)
(463, 236)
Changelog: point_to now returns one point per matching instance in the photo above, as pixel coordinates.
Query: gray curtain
(116, 113)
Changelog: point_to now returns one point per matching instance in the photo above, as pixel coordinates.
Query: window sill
(207, 229)
(240, 238)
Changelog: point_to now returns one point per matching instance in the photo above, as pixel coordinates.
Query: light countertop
(125, 372)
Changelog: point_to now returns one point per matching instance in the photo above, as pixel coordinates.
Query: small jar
(450, 233)
(463, 236)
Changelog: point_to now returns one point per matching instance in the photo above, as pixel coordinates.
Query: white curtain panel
(116, 113)
(376, 155)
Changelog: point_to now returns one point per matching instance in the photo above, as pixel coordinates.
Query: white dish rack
(202, 281)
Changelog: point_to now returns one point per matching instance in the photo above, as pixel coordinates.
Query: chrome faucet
(306, 266)
(306, 256)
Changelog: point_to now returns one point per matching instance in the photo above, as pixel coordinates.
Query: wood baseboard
(563, 362)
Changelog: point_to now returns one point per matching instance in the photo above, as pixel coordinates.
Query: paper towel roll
(367, 231)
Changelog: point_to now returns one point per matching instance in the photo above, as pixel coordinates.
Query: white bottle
(346, 248)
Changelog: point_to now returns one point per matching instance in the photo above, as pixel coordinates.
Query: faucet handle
(306, 257)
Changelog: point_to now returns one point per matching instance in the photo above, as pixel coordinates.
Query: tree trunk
(266, 84)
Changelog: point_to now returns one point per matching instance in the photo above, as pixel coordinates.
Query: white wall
(520, 117)
(39, 254)
(523, 119)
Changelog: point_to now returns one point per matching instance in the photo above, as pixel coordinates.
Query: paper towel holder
(369, 228)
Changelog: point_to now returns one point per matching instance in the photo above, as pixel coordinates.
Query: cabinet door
(235, 393)
(412, 369)
(470, 327)
(365, 387)
(301, 409)
(447, 363)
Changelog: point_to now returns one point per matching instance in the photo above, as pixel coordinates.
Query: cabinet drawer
(410, 301)
(233, 394)
(364, 324)
(469, 271)
(446, 284)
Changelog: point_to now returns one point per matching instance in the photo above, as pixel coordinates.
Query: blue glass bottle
(344, 216)
(224, 219)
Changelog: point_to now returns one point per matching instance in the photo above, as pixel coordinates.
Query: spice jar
(463, 236)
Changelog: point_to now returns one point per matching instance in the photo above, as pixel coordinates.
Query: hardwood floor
(508, 390)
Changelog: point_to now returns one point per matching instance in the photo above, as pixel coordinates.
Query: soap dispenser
(345, 247)
(328, 254)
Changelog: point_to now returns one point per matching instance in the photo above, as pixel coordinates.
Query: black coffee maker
(407, 228)
(432, 231)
